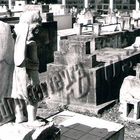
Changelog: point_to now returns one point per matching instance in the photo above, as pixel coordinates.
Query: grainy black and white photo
(69, 69)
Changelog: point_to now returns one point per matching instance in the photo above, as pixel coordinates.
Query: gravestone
(78, 78)
(85, 17)
(111, 19)
(47, 44)
(85, 76)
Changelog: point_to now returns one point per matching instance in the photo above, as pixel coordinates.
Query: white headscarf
(28, 21)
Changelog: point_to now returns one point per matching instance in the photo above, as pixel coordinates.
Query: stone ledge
(71, 125)
(24, 131)
(94, 109)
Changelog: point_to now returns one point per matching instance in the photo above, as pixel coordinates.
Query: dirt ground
(132, 130)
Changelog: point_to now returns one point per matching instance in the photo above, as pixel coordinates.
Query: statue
(130, 89)
(6, 60)
(131, 86)
(26, 63)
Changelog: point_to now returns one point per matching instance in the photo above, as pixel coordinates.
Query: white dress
(26, 62)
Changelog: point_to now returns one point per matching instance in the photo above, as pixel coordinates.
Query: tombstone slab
(81, 127)
(88, 84)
